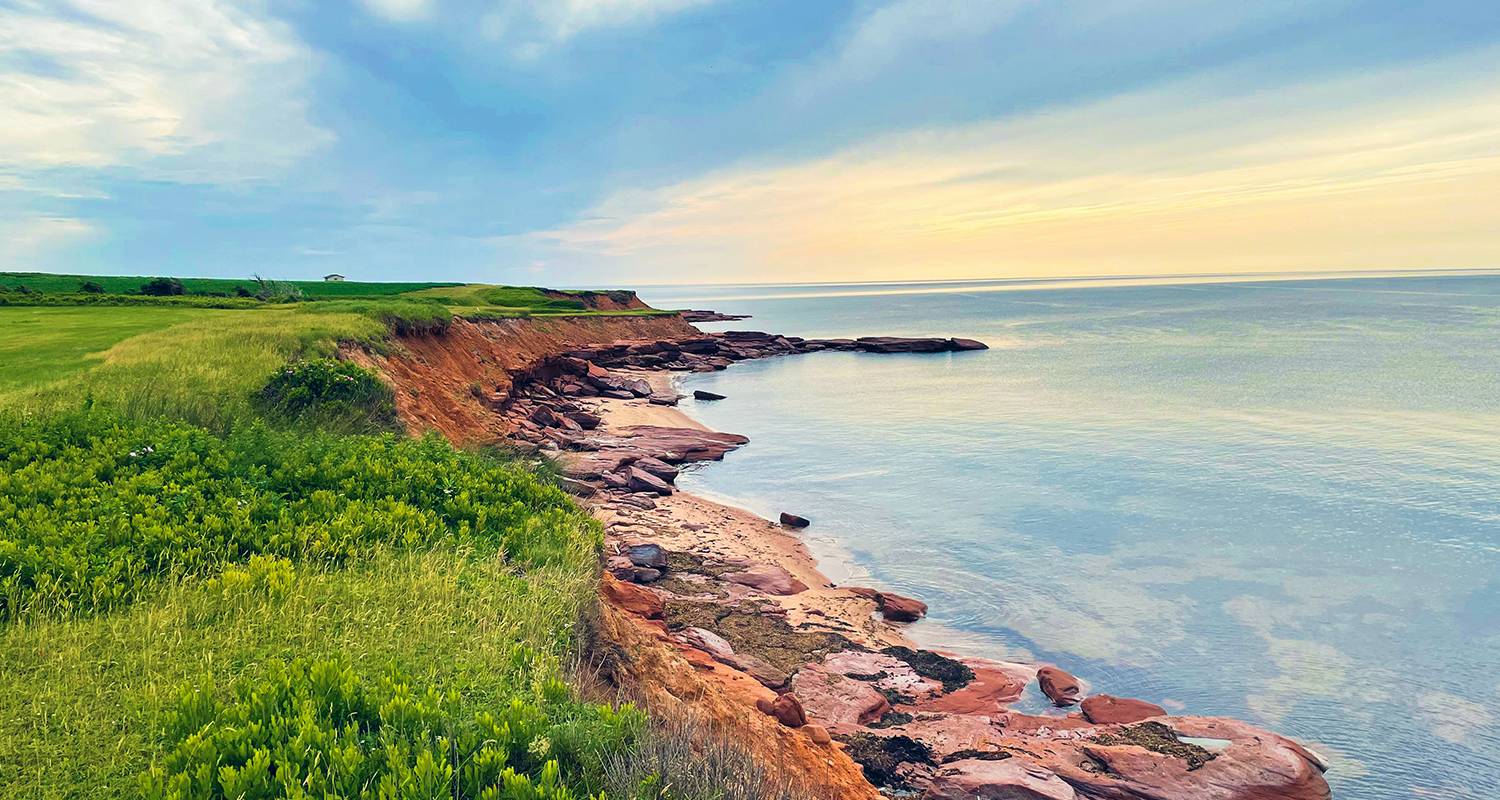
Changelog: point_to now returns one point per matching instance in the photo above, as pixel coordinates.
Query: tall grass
(202, 370)
(83, 701)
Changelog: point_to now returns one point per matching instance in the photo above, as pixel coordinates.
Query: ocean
(1277, 500)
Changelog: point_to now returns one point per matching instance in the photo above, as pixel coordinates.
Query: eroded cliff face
(460, 383)
(712, 612)
(454, 382)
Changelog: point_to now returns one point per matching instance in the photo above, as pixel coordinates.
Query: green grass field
(117, 284)
(164, 546)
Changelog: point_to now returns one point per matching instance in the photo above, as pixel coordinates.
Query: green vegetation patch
(329, 394)
(94, 510)
(315, 729)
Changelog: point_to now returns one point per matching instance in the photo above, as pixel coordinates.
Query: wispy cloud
(23, 238)
(530, 27)
(1387, 170)
(197, 90)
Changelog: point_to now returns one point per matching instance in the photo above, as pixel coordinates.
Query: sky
(634, 142)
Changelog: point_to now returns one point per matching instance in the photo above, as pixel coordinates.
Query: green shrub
(90, 287)
(315, 730)
(93, 509)
(276, 291)
(331, 394)
(162, 287)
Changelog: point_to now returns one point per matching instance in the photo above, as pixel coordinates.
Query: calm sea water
(1278, 501)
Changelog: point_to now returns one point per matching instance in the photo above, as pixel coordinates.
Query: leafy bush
(90, 287)
(315, 730)
(162, 287)
(92, 509)
(276, 291)
(331, 394)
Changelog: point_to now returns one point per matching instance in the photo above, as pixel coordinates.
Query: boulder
(544, 416)
(663, 399)
(586, 420)
(817, 734)
(657, 467)
(1060, 687)
(699, 394)
(768, 578)
(794, 521)
(636, 387)
(631, 598)
(900, 609)
(639, 480)
(647, 555)
(1103, 709)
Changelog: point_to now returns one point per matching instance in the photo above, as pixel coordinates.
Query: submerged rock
(794, 521)
(699, 394)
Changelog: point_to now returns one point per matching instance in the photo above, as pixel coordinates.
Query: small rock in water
(1060, 687)
(900, 609)
(794, 521)
(699, 394)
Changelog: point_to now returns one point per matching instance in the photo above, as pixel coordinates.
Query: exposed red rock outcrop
(716, 605)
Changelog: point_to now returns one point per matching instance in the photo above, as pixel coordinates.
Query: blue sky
(587, 142)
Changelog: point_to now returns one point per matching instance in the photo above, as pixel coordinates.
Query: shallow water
(1272, 500)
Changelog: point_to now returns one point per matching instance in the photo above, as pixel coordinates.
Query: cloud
(188, 90)
(26, 237)
(1381, 171)
(400, 10)
(530, 27)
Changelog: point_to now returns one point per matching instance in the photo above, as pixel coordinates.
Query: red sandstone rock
(900, 609)
(1103, 709)
(895, 676)
(1255, 765)
(794, 521)
(817, 734)
(1007, 779)
(788, 711)
(835, 700)
(994, 685)
(632, 598)
(657, 467)
(639, 480)
(1060, 687)
(768, 578)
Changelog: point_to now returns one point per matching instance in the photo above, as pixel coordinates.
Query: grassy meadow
(222, 574)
